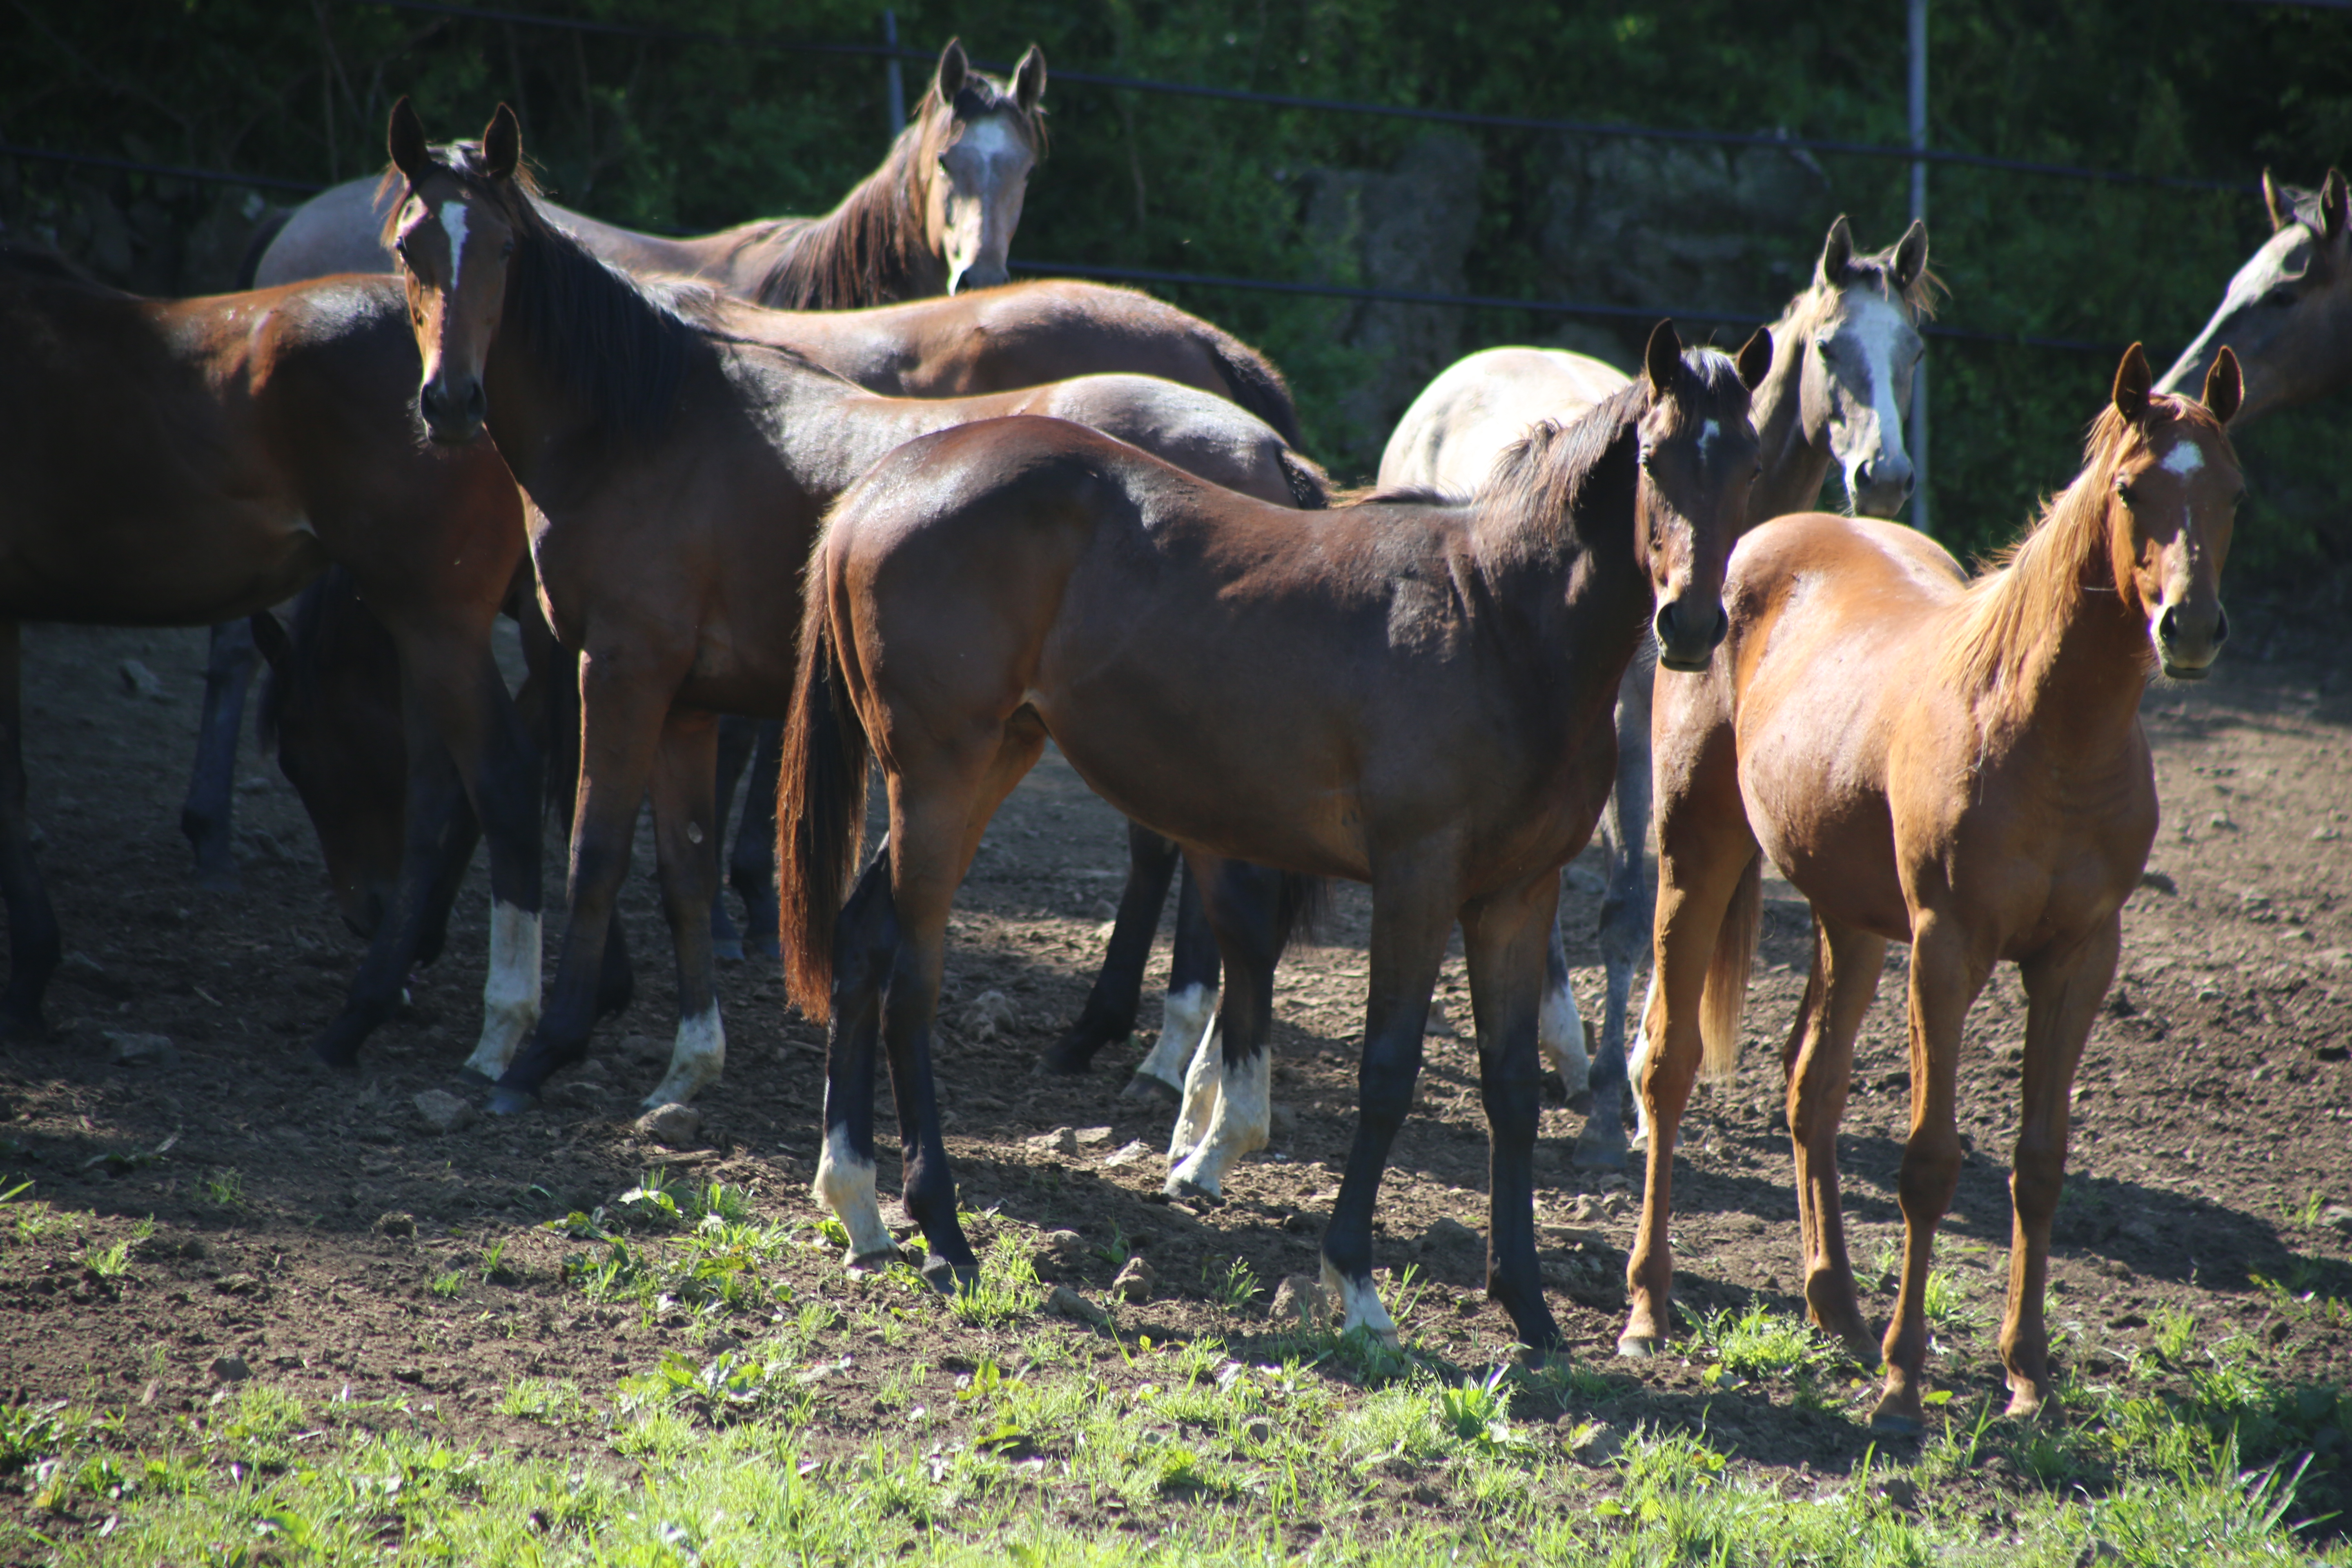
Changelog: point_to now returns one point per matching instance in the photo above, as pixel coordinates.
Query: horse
(175, 463)
(2287, 315)
(1958, 764)
(1844, 353)
(937, 217)
(677, 469)
(1436, 725)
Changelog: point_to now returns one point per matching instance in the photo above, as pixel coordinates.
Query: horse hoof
(1893, 1424)
(334, 1058)
(726, 949)
(511, 1101)
(1153, 1091)
(474, 1077)
(1636, 1347)
(947, 1277)
(866, 1263)
(1598, 1155)
(1191, 1192)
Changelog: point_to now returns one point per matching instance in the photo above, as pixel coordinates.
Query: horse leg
(616, 983)
(1560, 1040)
(1413, 912)
(753, 868)
(1504, 943)
(1820, 1067)
(735, 738)
(34, 944)
(1244, 906)
(1945, 979)
(1625, 918)
(208, 815)
(623, 709)
(864, 941)
(1188, 1018)
(1110, 1012)
(2062, 995)
(685, 852)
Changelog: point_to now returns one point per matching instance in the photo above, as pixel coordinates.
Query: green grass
(1761, 1343)
(224, 1189)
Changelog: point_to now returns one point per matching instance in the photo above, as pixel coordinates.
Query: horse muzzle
(2187, 641)
(453, 416)
(1684, 646)
(981, 274)
(1880, 487)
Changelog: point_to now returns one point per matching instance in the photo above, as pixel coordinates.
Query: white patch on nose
(2185, 459)
(453, 224)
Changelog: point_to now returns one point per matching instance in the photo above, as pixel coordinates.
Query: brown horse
(1957, 765)
(2287, 314)
(679, 470)
(178, 463)
(1436, 724)
(938, 215)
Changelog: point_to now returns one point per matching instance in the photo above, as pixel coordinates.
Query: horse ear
(1911, 255)
(2334, 205)
(953, 69)
(1836, 251)
(2275, 202)
(1029, 79)
(2225, 385)
(503, 145)
(1663, 358)
(1754, 360)
(2132, 385)
(405, 142)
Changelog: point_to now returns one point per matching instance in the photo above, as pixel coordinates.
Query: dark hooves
(947, 1277)
(1192, 1193)
(335, 1059)
(726, 949)
(474, 1077)
(1153, 1091)
(511, 1101)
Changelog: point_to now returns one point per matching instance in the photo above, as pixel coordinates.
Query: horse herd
(731, 477)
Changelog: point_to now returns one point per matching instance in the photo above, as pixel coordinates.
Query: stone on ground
(673, 1125)
(1060, 1140)
(1134, 1282)
(1300, 1296)
(1065, 1302)
(135, 1050)
(444, 1111)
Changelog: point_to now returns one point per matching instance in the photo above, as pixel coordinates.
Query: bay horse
(678, 471)
(1843, 355)
(2287, 314)
(1958, 764)
(175, 463)
(1408, 691)
(937, 217)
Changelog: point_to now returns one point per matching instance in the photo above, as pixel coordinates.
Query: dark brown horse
(173, 464)
(2287, 314)
(1407, 692)
(1951, 763)
(680, 468)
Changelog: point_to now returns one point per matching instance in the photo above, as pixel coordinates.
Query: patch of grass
(112, 1261)
(223, 1189)
(1945, 1304)
(450, 1285)
(1761, 1343)
(1234, 1288)
(2172, 1334)
(1008, 1289)
(551, 1401)
(37, 1221)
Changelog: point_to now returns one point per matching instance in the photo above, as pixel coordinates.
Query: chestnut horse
(178, 463)
(2287, 314)
(1951, 763)
(1406, 692)
(1842, 356)
(678, 470)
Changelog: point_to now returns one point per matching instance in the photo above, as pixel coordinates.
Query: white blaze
(695, 1059)
(510, 993)
(2185, 459)
(845, 1183)
(453, 224)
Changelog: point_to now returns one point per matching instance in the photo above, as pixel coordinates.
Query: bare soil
(2212, 1107)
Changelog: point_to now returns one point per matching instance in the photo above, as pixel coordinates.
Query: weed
(26, 1434)
(39, 1221)
(494, 1270)
(1233, 1290)
(224, 1188)
(545, 1400)
(1943, 1302)
(1477, 1411)
(1761, 1343)
(1118, 1248)
(2172, 1334)
(112, 1261)
(1007, 1289)
(450, 1285)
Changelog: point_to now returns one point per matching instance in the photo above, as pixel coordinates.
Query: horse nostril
(2167, 624)
(1722, 627)
(2221, 625)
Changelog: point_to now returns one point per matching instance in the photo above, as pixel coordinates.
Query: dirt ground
(2212, 1105)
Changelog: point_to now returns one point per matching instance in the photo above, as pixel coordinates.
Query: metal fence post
(897, 88)
(1920, 519)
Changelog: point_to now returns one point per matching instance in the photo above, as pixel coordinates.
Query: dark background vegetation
(687, 136)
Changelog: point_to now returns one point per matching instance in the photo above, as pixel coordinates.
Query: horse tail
(820, 806)
(1726, 975)
(1256, 386)
(1299, 907)
(1311, 487)
(248, 266)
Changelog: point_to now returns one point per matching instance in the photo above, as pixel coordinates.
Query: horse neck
(1567, 576)
(1796, 461)
(873, 249)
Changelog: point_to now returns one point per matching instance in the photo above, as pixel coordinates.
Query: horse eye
(2279, 299)
(506, 250)
(2124, 489)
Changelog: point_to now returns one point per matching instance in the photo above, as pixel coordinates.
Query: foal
(1408, 692)
(1956, 765)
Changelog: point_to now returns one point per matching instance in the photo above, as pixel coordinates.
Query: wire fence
(1143, 275)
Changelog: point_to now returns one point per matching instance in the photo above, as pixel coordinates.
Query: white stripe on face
(2185, 459)
(453, 224)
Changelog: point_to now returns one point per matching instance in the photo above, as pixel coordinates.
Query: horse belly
(1831, 838)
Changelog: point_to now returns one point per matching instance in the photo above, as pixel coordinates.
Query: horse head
(453, 234)
(2171, 505)
(978, 140)
(2287, 315)
(1859, 346)
(1698, 456)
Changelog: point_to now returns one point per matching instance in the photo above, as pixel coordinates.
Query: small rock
(2337, 1217)
(1573, 1235)
(1104, 909)
(1065, 1244)
(1094, 1137)
(1596, 1442)
(1298, 1222)
(1299, 1297)
(1559, 1276)
(2159, 882)
(231, 1368)
(443, 1111)
(989, 1016)
(1259, 1429)
(1065, 1302)
(239, 1285)
(141, 681)
(1134, 1282)
(395, 1224)
(1448, 1232)
(1060, 1140)
(1128, 1155)
(939, 1274)
(130, 1050)
(1438, 1023)
(673, 1125)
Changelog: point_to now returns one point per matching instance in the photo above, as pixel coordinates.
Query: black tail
(1258, 387)
(820, 806)
(1311, 487)
(259, 246)
(1299, 908)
